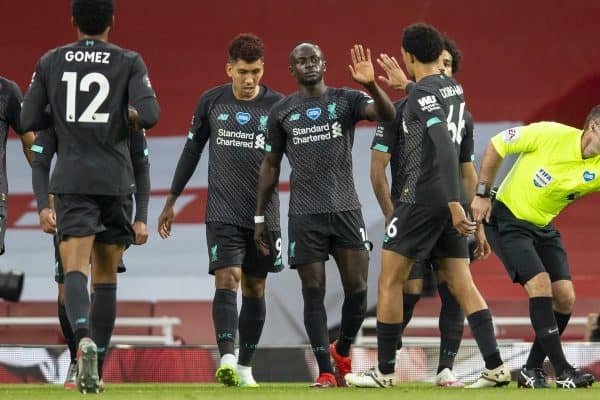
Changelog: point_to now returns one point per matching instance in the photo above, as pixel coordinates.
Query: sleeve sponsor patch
(511, 135)
(428, 103)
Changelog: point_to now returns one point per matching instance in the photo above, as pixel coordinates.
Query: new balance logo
(223, 117)
(294, 117)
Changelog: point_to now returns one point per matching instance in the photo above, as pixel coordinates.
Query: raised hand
(362, 68)
(396, 78)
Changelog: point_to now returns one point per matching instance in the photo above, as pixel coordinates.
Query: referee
(557, 165)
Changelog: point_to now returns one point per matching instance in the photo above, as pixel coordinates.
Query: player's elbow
(376, 174)
(27, 119)
(387, 114)
(148, 113)
(150, 119)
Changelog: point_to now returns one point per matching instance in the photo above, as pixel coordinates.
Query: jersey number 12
(89, 114)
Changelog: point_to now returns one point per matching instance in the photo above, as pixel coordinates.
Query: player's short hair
(304, 42)
(423, 41)
(247, 47)
(450, 46)
(594, 115)
(92, 17)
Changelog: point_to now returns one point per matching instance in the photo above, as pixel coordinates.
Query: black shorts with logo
(59, 272)
(106, 217)
(314, 236)
(422, 232)
(526, 249)
(230, 245)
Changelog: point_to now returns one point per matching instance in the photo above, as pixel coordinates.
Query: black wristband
(483, 190)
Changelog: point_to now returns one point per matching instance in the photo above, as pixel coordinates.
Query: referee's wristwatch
(483, 190)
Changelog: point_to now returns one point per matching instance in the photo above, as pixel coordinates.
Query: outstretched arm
(396, 78)
(381, 109)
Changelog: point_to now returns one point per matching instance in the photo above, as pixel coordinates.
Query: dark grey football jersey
(10, 108)
(88, 85)
(435, 99)
(236, 131)
(317, 135)
(390, 138)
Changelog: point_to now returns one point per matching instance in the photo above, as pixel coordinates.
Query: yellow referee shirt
(550, 172)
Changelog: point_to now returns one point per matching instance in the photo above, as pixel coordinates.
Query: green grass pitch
(290, 391)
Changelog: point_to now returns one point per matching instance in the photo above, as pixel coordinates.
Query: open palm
(362, 68)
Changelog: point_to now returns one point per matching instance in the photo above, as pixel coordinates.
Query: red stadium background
(523, 60)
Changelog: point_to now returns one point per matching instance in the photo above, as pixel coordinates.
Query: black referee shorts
(424, 232)
(525, 249)
(106, 217)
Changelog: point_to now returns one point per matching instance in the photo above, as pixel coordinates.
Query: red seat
(134, 309)
(47, 334)
(196, 320)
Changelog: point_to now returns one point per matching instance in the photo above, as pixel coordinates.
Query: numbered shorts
(59, 274)
(314, 236)
(524, 248)
(107, 217)
(231, 245)
(422, 232)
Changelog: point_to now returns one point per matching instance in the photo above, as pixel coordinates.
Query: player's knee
(539, 286)
(564, 301)
(253, 287)
(413, 286)
(390, 283)
(227, 278)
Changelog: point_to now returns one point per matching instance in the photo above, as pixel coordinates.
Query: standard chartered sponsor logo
(237, 139)
(336, 129)
(259, 143)
(317, 133)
